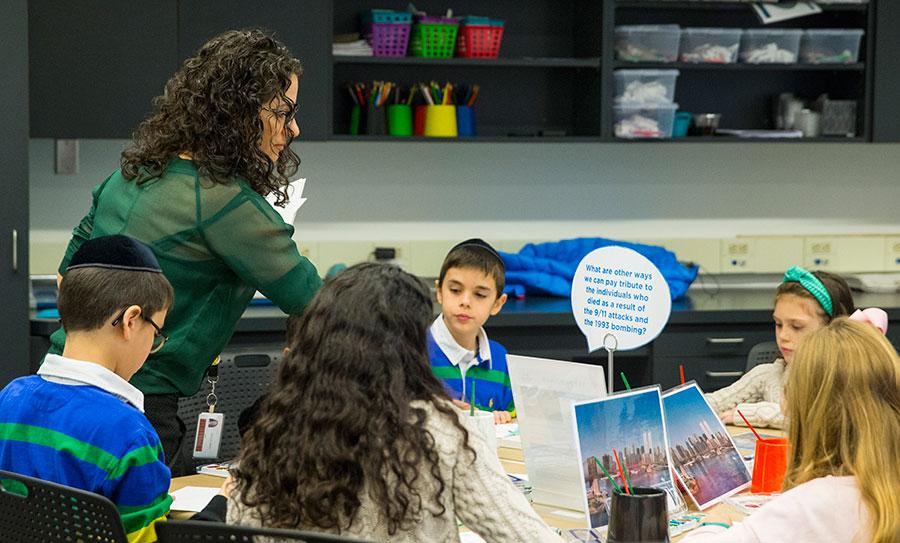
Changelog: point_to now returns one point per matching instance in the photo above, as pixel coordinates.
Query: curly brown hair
(210, 109)
(339, 418)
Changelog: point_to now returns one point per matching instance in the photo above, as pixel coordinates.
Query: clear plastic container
(634, 121)
(830, 46)
(717, 45)
(645, 86)
(647, 43)
(770, 45)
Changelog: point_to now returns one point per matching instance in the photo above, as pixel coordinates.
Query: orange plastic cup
(769, 465)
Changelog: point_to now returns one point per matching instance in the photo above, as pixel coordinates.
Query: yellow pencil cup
(440, 122)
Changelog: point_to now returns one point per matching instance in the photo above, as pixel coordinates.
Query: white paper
(543, 391)
(295, 200)
(769, 13)
(470, 537)
(192, 498)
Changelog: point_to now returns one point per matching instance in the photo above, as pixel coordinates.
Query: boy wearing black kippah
(79, 422)
(470, 290)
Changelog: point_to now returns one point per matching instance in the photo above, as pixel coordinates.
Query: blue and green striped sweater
(493, 391)
(85, 437)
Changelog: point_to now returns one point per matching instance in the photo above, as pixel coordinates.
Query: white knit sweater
(757, 395)
(479, 493)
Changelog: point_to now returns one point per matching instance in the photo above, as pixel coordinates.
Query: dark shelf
(741, 67)
(590, 62)
(701, 4)
(477, 139)
(730, 139)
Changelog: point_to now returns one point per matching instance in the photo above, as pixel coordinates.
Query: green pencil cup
(399, 120)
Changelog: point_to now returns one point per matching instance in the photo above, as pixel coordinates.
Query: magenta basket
(388, 32)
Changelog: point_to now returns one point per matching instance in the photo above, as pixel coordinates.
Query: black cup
(639, 516)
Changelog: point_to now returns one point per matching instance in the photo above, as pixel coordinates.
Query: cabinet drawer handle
(724, 340)
(723, 374)
(15, 250)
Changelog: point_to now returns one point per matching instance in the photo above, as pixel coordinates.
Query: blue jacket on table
(493, 391)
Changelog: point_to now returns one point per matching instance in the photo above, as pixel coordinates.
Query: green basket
(433, 40)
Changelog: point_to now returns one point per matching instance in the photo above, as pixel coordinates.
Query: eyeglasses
(284, 116)
(159, 339)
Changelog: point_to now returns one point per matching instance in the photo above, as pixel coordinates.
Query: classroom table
(513, 461)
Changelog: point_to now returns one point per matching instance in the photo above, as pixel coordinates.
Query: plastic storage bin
(770, 45)
(718, 45)
(830, 46)
(387, 31)
(479, 37)
(634, 121)
(645, 86)
(434, 37)
(647, 43)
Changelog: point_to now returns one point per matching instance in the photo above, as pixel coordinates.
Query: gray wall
(389, 182)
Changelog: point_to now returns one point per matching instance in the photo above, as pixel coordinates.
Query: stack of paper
(358, 48)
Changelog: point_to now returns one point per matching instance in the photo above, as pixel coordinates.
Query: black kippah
(115, 252)
(481, 244)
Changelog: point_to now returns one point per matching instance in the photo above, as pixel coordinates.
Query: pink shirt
(826, 509)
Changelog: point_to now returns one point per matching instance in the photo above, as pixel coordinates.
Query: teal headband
(811, 283)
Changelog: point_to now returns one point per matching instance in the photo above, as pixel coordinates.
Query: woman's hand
(227, 486)
(727, 416)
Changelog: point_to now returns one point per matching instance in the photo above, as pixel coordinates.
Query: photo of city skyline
(632, 423)
(703, 453)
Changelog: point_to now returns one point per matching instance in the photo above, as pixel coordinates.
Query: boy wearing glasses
(78, 422)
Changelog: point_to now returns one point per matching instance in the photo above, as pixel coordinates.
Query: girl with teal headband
(805, 301)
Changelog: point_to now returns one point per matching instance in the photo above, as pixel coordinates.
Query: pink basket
(389, 39)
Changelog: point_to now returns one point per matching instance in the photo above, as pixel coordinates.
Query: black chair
(243, 377)
(762, 353)
(37, 511)
(192, 531)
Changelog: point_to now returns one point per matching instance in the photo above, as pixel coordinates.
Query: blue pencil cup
(681, 124)
(465, 121)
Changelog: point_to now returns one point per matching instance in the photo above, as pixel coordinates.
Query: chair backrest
(37, 511)
(213, 532)
(243, 377)
(762, 353)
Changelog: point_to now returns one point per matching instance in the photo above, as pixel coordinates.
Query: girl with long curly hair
(191, 186)
(358, 437)
(843, 413)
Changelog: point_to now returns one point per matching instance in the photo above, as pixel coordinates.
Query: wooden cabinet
(95, 65)
(14, 193)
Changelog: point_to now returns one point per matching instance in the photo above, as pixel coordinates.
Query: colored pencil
(681, 372)
(625, 380)
(611, 480)
(472, 403)
(627, 476)
(621, 472)
(752, 429)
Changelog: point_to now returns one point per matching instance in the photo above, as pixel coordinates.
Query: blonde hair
(843, 410)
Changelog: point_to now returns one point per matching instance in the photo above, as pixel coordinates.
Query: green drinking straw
(625, 380)
(627, 477)
(611, 480)
(472, 403)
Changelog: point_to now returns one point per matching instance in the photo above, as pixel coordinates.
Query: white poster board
(544, 391)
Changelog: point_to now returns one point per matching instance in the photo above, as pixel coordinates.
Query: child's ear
(130, 319)
(437, 291)
(498, 304)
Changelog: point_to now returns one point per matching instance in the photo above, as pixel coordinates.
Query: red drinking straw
(681, 372)
(621, 472)
(747, 422)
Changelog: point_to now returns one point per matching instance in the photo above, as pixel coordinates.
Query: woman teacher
(191, 186)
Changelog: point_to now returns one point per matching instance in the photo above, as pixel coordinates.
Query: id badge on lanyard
(210, 423)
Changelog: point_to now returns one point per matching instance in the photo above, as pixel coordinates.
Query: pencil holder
(399, 119)
(638, 516)
(465, 121)
(769, 465)
(375, 123)
(420, 113)
(482, 422)
(355, 114)
(440, 122)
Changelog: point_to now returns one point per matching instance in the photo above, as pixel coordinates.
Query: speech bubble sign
(618, 292)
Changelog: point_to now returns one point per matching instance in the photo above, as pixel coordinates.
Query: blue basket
(387, 16)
